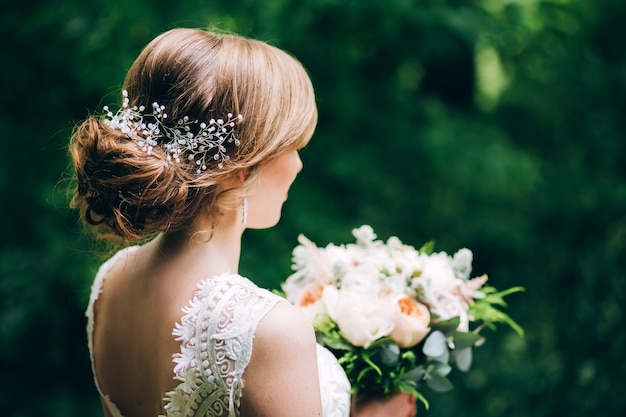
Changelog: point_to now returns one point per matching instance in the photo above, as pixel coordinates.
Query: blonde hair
(201, 75)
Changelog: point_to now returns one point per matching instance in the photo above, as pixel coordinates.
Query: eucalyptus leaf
(416, 374)
(447, 326)
(441, 368)
(463, 358)
(381, 342)
(443, 358)
(389, 354)
(435, 344)
(464, 340)
(439, 383)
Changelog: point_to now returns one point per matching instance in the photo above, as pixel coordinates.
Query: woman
(205, 145)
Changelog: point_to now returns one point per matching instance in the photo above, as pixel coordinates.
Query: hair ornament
(200, 142)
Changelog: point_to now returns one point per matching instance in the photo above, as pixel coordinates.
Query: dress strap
(96, 289)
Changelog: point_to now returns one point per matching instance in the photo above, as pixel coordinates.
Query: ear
(242, 175)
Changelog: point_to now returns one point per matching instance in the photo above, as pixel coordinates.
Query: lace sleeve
(216, 334)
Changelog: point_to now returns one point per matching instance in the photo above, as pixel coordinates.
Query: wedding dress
(215, 334)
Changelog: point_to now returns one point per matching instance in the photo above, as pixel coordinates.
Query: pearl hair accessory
(205, 144)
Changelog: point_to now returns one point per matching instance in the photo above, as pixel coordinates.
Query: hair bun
(127, 184)
(128, 192)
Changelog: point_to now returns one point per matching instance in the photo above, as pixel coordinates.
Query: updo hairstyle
(131, 193)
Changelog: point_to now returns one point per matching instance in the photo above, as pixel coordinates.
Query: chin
(266, 224)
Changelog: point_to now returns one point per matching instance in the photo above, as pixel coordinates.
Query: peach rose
(310, 300)
(310, 294)
(411, 320)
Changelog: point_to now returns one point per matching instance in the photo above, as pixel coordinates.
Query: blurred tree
(491, 124)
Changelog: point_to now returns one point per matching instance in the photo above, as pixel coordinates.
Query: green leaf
(369, 361)
(427, 247)
(411, 388)
(438, 383)
(483, 309)
(416, 374)
(464, 340)
(447, 326)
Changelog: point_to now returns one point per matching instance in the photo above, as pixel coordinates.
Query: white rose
(362, 316)
(438, 271)
(447, 306)
(364, 277)
(397, 283)
(410, 320)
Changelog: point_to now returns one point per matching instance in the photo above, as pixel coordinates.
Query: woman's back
(170, 360)
(133, 316)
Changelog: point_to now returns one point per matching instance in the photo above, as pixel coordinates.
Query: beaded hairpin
(207, 142)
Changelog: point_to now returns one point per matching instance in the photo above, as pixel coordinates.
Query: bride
(204, 146)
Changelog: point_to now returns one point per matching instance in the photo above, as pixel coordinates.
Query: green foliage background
(496, 125)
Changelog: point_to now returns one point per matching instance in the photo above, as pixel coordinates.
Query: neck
(210, 250)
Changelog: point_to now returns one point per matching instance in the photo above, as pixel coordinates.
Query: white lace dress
(215, 334)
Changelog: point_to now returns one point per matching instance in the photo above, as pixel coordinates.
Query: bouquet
(396, 317)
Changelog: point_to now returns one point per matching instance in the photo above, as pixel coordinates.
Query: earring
(244, 219)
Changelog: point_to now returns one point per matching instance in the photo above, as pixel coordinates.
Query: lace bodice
(215, 333)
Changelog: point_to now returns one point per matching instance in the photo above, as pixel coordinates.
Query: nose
(298, 162)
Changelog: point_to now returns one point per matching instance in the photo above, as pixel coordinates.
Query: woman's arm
(282, 379)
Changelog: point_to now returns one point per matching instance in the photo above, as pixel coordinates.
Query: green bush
(495, 125)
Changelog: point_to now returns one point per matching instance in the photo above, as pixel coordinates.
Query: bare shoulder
(282, 378)
(284, 335)
(286, 323)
